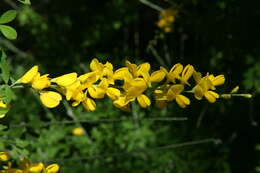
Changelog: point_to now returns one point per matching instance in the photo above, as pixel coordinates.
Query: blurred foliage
(63, 36)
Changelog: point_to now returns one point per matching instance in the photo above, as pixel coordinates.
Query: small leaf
(26, 2)
(9, 94)
(2, 127)
(8, 16)
(3, 110)
(5, 68)
(8, 32)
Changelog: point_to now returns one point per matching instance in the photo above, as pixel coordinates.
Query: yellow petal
(4, 156)
(177, 68)
(89, 104)
(28, 76)
(122, 73)
(174, 90)
(121, 102)
(182, 101)
(53, 168)
(198, 92)
(218, 80)
(211, 96)
(95, 65)
(41, 82)
(65, 80)
(196, 76)
(132, 68)
(78, 131)
(36, 168)
(187, 73)
(157, 76)
(113, 93)
(144, 101)
(145, 67)
(3, 105)
(96, 92)
(87, 77)
(50, 99)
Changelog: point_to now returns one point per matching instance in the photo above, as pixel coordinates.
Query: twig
(152, 5)
(156, 55)
(71, 114)
(13, 48)
(135, 114)
(145, 150)
(162, 119)
(202, 113)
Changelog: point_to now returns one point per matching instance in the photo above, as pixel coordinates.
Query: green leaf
(9, 94)
(2, 127)
(8, 32)
(8, 16)
(26, 2)
(5, 68)
(3, 110)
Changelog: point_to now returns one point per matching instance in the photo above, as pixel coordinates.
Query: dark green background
(62, 36)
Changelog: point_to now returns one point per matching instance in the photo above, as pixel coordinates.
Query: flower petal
(89, 104)
(211, 96)
(50, 99)
(182, 101)
(144, 101)
(65, 80)
(28, 76)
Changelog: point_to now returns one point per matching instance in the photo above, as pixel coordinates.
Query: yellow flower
(174, 73)
(36, 168)
(3, 105)
(216, 81)
(65, 80)
(89, 104)
(167, 17)
(28, 167)
(174, 93)
(29, 76)
(143, 100)
(4, 156)
(113, 93)
(134, 89)
(53, 168)
(50, 99)
(205, 84)
(78, 131)
(41, 82)
(186, 74)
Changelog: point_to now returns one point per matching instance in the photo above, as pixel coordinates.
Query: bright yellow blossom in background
(167, 17)
(78, 131)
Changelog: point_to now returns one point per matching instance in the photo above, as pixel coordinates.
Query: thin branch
(152, 5)
(71, 114)
(145, 150)
(162, 119)
(201, 116)
(8, 44)
(156, 55)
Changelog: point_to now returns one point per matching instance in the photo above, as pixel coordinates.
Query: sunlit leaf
(8, 16)
(8, 32)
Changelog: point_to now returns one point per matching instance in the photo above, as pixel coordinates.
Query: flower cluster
(134, 81)
(25, 166)
(167, 17)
